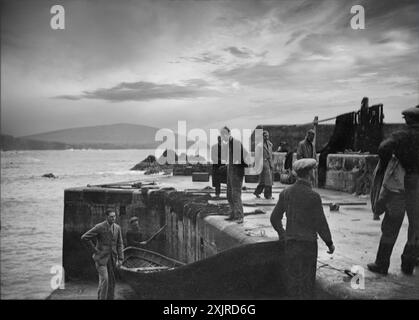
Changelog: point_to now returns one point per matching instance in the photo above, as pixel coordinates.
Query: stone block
(334, 162)
(200, 176)
(73, 195)
(251, 178)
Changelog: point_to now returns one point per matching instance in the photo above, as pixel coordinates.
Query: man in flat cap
(134, 236)
(404, 145)
(305, 219)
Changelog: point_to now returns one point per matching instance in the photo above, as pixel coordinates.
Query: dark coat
(237, 154)
(134, 237)
(305, 150)
(305, 216)
(265, 176)
(219, 160)
(405, 146)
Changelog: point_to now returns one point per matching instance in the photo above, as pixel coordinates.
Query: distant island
(115, 136)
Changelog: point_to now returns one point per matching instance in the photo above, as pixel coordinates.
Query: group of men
(302, 206)
(223, 155)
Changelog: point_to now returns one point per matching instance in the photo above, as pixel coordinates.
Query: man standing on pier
(305, 219)
(218, 166)
(306, 150)
(107, 252)
(305, 147)
(405, 146)
(235, 173)
(265, 177)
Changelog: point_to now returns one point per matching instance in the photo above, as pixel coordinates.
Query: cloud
(146, 91)
(276, 55)
(205, 57)
(244, 52)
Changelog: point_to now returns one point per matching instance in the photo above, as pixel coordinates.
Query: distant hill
(118, 136)
(115, 136)
(8, 142)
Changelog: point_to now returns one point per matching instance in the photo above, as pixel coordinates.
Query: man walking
(305, 219)
(235, 173)
(107, 252)
(264, 149)
(404, 145)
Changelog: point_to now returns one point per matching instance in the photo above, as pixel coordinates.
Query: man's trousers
(235, 174)
(106, 289)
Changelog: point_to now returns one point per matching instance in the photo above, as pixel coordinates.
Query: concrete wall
(85, 207)
(190, 234)
(295, 133)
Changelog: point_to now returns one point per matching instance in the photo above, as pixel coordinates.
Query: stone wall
(85, 207)
(295, 133)
(190, 234)
(350, 172)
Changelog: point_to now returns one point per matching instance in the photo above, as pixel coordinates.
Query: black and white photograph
(209, 153)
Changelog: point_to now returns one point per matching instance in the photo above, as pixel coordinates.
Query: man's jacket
(109, 243)
(305, 150)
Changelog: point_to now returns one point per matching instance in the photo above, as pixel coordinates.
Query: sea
(32, 209)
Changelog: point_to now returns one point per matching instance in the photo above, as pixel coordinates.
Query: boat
(245, 272)
(146, 261)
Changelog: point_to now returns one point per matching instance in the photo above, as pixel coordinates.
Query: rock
(146, 163)
(49, 175)
(167, 172)
(152, 165)
(152, 170)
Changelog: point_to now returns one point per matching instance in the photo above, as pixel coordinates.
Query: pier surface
(355, 234)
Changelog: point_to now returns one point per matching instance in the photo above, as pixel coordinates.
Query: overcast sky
(211, 63)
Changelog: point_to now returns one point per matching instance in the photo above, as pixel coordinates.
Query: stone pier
(196, 229)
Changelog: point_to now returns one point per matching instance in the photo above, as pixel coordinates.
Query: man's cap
(304, 165)
(311, 131)
(411, 112)
(133, 219)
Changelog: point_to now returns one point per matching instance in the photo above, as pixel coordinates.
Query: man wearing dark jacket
(107, 253)
(237, 156)
(305, 219)
(134, 236)
(305, 147)
(405, 146)
(218, 166)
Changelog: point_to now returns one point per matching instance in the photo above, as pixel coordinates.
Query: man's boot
(382, 261)
(258, 190)
(408, 260)
(268, 192)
